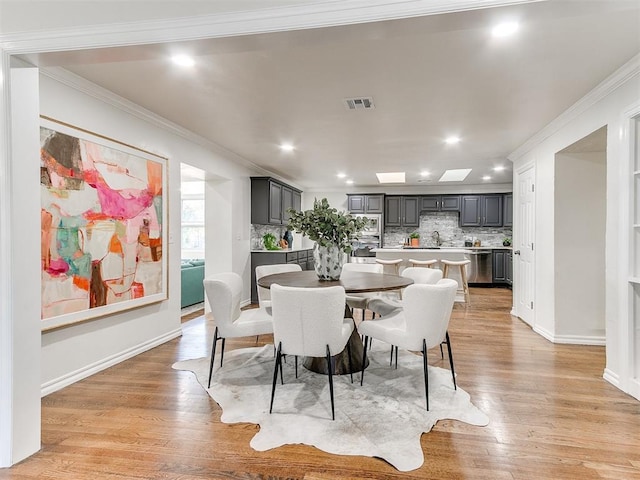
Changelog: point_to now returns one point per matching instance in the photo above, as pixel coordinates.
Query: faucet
(436, 235)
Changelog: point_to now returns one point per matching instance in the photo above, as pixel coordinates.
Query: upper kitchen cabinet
(440, 203)
(363, 203)
(481, 210)
(270, 200)
(508, 210)
(401, 211)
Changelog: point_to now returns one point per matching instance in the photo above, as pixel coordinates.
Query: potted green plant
(414, 238)
(333, 232)
(270, 241)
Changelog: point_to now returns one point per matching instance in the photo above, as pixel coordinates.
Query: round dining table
(352, 282)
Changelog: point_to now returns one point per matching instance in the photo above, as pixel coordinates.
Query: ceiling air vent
(359, 103)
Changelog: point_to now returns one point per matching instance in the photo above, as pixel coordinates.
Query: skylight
(456, 175)
(391, 177)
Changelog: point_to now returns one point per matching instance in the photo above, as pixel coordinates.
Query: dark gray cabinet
(502, 267)
(401, 211)
(365, 203)
(304, 258)
(270, 200)
(508, 210)
(440, 203)
(481, 210)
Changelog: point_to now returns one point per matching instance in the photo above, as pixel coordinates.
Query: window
(192, 235)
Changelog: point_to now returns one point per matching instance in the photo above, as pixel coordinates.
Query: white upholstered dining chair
(224, 292)
(309, 322)
(264, 294)
(361, 300)
(421, 324)
(385, 306)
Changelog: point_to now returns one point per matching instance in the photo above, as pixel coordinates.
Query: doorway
(579, 240)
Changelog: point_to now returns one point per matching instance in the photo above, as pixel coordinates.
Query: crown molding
(621, 76)
(106, 96)
(316, 15)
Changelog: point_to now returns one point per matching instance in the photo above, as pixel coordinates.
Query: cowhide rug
(384, 418)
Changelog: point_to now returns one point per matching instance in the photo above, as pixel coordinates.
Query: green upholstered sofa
(192, 273)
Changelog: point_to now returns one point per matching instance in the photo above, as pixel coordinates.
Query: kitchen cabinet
(401, 211)
(304, 258)
(508, 210)
(270, 200)
(365, 203)
(440, 203)
(481, 210)
(502, 267)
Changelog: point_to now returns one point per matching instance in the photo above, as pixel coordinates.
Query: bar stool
(395, 264)
(463, 275)
(423, 263)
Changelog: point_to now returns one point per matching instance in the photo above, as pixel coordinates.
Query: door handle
(517, 252)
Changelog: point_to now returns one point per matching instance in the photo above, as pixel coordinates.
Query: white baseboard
(611, 377)
(72, 377)
(571, 339)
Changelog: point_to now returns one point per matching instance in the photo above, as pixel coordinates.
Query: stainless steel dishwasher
(480, 270)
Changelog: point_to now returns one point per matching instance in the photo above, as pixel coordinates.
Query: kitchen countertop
(446, 249)
(282, 250)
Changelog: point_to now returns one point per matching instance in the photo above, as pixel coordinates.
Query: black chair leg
(222, 351)
(333, 415)
(453, 372)
(296, 357)
(275, 376)
(441, 352)
(280, 363)
(396, 357)
(391, 356)
(364, 358)
(426, 371)
(350, 362)
(257, 337)
(213, 354)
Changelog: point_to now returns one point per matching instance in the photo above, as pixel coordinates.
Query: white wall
(23, 242)
(579, 228)
(603, 106)
(98, 343)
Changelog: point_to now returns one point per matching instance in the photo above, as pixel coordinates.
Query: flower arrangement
(326, 225)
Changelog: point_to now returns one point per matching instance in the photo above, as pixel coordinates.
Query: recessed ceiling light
(452, 140)
(341, 175)
(425, 173)
(391, 177)
(456, 175)
(183, 60)
(499, 168)
(504, 29)
(286, 147)
(486, 177)
(349, 182)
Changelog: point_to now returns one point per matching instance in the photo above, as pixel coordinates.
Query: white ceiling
(430, 77)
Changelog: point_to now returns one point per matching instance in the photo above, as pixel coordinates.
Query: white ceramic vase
(328, 261)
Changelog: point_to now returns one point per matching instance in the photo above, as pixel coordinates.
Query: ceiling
(429, 77)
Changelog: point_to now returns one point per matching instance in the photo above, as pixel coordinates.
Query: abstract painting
(103, 225)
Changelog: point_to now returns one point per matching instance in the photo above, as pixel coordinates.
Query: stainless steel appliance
(480, 270)
(374, 227)
(362, 249)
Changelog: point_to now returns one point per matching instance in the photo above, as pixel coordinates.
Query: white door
(523, 247)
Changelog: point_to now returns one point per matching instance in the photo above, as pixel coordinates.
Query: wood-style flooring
(552, 416)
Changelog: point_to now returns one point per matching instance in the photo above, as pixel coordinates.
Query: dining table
(352, 282)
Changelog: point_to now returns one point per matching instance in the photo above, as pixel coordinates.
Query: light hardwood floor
(552, 416)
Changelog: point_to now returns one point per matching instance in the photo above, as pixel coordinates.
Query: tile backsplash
(451, 234)
(257, 232)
